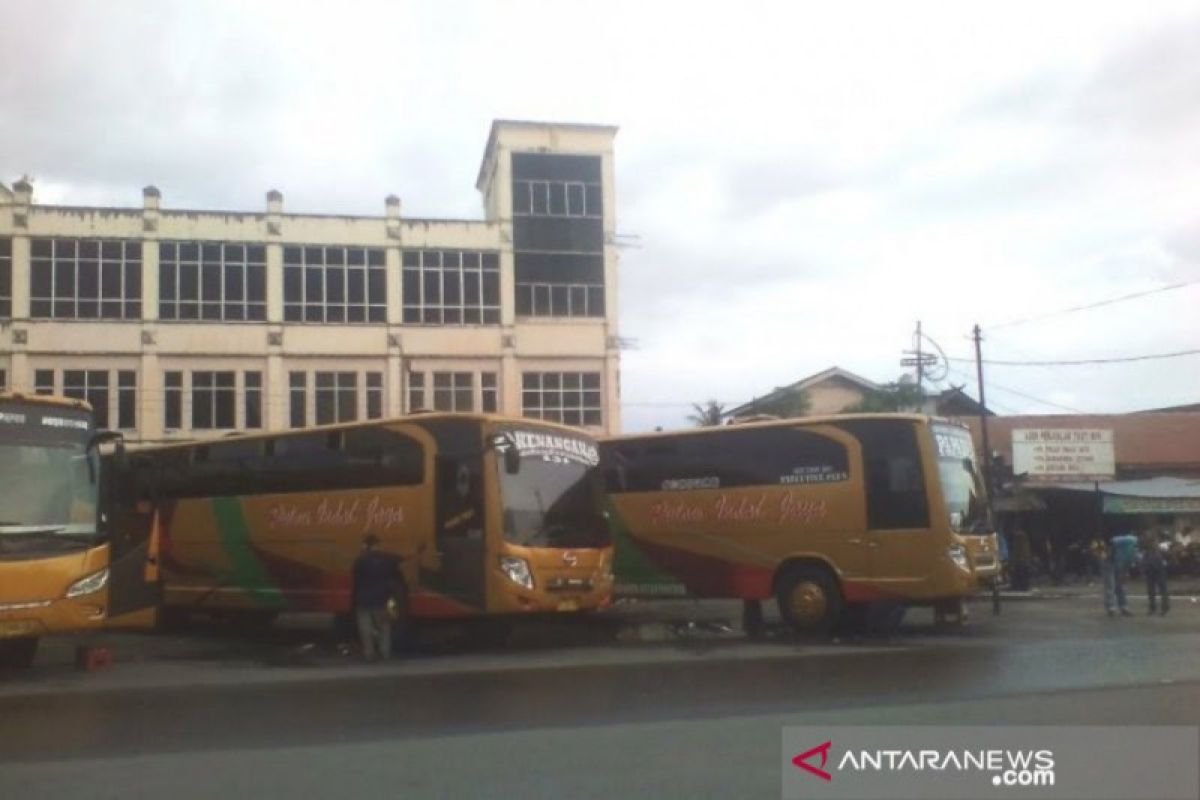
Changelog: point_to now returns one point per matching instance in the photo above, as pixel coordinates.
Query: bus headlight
(517, 571)
(92, 583)
(958, 554)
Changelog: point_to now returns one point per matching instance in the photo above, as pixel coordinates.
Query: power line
(992, 384)
(1097, 304)
(1080, 361)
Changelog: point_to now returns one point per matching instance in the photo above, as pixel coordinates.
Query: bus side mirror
(512, 461)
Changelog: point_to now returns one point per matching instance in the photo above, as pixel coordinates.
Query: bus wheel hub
(808, 602)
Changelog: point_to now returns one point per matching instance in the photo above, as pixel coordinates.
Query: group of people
(1117, 555)
(1112, 558)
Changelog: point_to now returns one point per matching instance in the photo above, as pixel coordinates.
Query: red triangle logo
(801, 761)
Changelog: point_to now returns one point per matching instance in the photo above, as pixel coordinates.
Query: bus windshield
(555, 498)
(50, 480)
(962, 490)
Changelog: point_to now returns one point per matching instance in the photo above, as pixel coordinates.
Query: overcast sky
(801, 182)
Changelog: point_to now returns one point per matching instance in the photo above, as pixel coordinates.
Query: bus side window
(895, 483)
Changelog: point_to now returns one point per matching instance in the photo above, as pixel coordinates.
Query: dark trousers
(1156, 584)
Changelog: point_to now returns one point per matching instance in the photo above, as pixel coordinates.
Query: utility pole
(987, 451)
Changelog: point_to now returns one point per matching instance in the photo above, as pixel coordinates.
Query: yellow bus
(825, 514)
(62, 566)
(487, 515)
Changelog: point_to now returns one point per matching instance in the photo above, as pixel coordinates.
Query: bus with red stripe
(828, 515)
(487, 515)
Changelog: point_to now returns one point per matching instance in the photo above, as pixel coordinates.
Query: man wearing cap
(375, 581)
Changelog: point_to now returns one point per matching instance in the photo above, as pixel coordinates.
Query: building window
(374, 395)
(297, 397)
(334, 284)
(454, 391)
(212, 281)
(43, 381)
(253, 399)
(416, 391)
(173, 400)
(126, 399)
(560, 299)
(6, 278)
(572, 398)
(213, 400)
(91, 386)
(451, 287)
(337, 397)
(3, 380)
(546, 198)
(85, 279)
(489, 392)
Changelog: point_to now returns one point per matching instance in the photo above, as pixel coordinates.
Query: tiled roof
(1139, 440)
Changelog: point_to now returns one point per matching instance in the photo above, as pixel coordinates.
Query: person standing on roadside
(1154, 566)
(376, 577)
(1021, 554)
(1122, 552)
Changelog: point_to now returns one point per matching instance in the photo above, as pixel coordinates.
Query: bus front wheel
(809, 599)
(18, 653)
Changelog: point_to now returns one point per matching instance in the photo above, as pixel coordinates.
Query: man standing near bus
(375, 579)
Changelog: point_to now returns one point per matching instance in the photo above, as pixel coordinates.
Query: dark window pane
(292, 288)
(64, 279)
(558, 198)
(166, 282)
(356, 257)
(491, 288)
(377, 314)
(356, 314)
(40, 279)
(292, 255)
(335, 256)
(314, 256)
(256, 254)
(314, 290)
(211, 253)
(376, 258)
(376, 283)
(471, 292)
(89, 309)
(210, 283)
(234, 252)
(234, 277)
(133, 281)
(110, 280)
(335, 313)
(411, 287)
(594, 205)
(189, 252)
(89, 280)
(189, 282)
(189, 311)
(335, 286)
(256, 284)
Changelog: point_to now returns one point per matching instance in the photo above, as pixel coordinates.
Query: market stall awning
(1161, 495)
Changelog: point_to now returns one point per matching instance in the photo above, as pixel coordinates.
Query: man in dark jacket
(376, 579)
(1154, 566)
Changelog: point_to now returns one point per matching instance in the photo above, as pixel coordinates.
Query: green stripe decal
(635, 574)
(247, 573)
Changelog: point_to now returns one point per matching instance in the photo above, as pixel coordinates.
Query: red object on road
(90, 659)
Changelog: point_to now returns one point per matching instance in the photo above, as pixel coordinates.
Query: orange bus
(487, 515)
(62, 566)
(825, 514)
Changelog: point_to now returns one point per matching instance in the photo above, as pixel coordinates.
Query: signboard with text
(1063, 454)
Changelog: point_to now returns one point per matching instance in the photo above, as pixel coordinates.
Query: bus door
(459, 519)
(898, 539)
(134, 583)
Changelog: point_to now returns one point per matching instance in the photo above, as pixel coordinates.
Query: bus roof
(44, 400)
(408, 418)
(779, 423)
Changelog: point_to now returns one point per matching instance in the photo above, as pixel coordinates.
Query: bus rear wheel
(809, 599)
(18, 653)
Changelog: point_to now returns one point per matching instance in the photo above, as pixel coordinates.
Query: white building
(180, 324)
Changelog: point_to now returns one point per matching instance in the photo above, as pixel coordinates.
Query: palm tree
(707, 414)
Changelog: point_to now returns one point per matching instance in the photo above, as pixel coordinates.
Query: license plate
(17, 627)
(568, 605)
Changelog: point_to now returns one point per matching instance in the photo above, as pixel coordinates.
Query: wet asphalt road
(694, 718)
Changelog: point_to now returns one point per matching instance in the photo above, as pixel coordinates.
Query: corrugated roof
(1139, 440)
